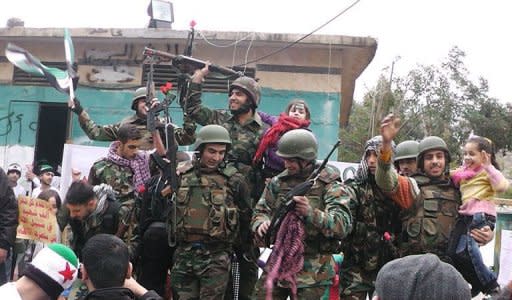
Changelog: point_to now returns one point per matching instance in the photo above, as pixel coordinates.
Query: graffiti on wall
(14, 121)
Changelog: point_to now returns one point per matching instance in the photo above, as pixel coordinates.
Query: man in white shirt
(45, 173)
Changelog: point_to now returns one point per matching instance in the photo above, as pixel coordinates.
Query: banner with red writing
(36, 220)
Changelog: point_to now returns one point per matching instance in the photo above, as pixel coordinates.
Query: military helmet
(407, 149)
(249, 86)
(432, 143)
(298, 143)
(139, 94)
(212, 134)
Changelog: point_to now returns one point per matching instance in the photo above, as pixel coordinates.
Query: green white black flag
(59, 79)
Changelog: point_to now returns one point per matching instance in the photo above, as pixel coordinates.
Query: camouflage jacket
(429, 209)
(245, 137)
(109, 132)
(373, 214)
(328, 223)
(120, 178)
(211, 204)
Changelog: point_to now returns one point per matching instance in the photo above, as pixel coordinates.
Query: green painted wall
(19, 107)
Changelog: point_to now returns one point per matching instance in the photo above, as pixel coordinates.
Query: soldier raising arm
(415, 194)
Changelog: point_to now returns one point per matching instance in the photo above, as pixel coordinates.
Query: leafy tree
(431, 100)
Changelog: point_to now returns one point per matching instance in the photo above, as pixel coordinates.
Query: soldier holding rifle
(302, 264)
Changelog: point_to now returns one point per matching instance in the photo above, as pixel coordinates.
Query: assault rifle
(150, 94)
(169, 178)
(288, 204)
(184, 61)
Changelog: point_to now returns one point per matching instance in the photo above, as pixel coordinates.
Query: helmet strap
(244, 108)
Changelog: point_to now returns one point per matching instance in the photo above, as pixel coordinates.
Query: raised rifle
(169, 177)
(188, 63)
(288, 204)
(150, 94)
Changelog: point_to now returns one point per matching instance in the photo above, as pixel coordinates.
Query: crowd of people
(404, 227)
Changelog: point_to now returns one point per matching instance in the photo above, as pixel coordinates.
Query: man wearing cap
(52, 270)
(420, 277)
(139, 119)
(212, 200)
(245, 128)
(14, 174)
(45, 174)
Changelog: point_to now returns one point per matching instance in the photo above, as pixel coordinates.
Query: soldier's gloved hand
(77, 107)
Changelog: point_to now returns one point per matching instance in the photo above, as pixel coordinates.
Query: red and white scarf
(139, 165)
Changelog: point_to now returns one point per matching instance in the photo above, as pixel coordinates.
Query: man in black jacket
(8, 222)
(107, 272)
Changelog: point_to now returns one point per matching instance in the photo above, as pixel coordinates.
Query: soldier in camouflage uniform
(323, 211)
(429, 200)
(125, 169)
(184, 136)
(211, 200)
(245, 128)
(405, 157)
(372, 242)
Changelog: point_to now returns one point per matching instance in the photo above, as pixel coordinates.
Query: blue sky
(420, 32)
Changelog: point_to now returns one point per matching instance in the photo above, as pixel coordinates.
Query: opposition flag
(59, 79)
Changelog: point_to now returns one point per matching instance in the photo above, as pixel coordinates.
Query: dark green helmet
(407, 149)
(298, 143)
(212, 134)
(139, 94)
(432, 143)
(249, 86)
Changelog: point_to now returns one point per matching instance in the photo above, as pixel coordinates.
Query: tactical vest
(427, 224)
(316, 242)
(373, 214)
(205, 208)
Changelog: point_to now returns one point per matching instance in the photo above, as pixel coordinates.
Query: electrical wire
(225, 45)
(302, 38)
(247, 53)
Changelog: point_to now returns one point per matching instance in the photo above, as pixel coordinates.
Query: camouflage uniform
(109, 132)
(208, 216)
(429, 220)
(120, 178)
(366, 249)
(329, 222)
(245, 139)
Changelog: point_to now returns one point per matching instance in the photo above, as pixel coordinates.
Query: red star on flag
(67, 273)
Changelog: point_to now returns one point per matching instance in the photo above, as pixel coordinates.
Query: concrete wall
(19, 107)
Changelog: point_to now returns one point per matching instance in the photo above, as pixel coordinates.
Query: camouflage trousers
(200, 273)
(313, 292)
(357, 283)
